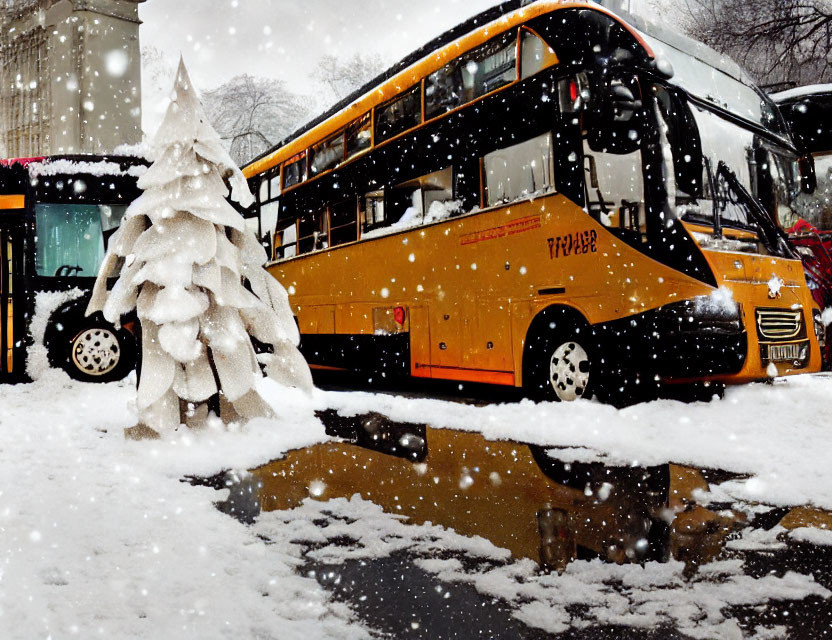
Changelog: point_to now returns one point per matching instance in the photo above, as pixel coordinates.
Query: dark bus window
(358, 135)
(343, 223)
(326, 155)
(372, 210)
(313, 229)
(294, 171)
(285, 240)
(486, 68)
(400, 114)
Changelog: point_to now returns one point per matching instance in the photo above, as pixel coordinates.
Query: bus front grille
(780, 324)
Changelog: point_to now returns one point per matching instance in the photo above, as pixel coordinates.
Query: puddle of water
(807, 517)
(511, 494)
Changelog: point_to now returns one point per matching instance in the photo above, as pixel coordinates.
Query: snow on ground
(588, 592)
(99, 537)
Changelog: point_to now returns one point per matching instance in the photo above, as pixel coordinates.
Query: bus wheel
(98, 352)
(560, 364)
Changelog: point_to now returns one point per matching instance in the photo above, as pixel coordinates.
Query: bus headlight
(704, 314)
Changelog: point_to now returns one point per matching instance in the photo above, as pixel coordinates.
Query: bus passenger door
(447, 329)
(487, 342)
(12, 302)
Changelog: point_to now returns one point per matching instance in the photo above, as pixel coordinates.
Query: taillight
(399, 315)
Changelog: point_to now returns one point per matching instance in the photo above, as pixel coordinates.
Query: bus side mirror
(808, 177)
(624, 103)
(685, 142)
(612, 116)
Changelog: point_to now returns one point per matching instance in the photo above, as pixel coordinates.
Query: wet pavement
(521, 499)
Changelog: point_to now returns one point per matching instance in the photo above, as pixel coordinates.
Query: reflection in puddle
(516, 497)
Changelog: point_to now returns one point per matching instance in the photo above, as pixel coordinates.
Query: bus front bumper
(678, 344)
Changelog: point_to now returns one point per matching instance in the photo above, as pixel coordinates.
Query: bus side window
(486, 68)
(268, 223)
(274, 185)
(372, 210)
(402, 200)
(358, 136)
(343, 224)
(437, 194)
(294, 171)
(615, 190)
(313, 229)
(535, 54)
(326, 155)
(285, 239)
(520, 171)
(400, 114)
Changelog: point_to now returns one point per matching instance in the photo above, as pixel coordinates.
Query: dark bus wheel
(98, 352)
(561, 363)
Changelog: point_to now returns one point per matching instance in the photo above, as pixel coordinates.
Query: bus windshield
(717, 87)
(765, 170)
(71, 238)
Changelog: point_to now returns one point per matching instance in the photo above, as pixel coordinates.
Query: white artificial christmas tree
(193, 272)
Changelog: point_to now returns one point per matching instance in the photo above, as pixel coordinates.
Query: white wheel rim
(95, 351)
(569, 371)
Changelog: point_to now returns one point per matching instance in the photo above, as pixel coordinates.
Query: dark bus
(808, 112)
(56, 215)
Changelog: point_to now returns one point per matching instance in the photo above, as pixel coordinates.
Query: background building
(70, 80)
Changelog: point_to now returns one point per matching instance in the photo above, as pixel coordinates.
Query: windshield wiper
(773, 237)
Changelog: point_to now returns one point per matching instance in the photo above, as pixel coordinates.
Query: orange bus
(532, 200)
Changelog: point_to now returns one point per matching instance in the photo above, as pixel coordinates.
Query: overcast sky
(284, 38)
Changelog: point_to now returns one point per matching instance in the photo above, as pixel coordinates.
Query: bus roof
(709, 75)
(801, 92)
(413, 67)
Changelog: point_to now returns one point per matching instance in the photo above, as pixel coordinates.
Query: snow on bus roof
(801, 92)
(98, 168)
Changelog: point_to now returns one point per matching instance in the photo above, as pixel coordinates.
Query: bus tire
(561, 359)
(96, 351)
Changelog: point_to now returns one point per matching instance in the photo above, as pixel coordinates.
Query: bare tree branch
(777, 40)
(252, 114)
